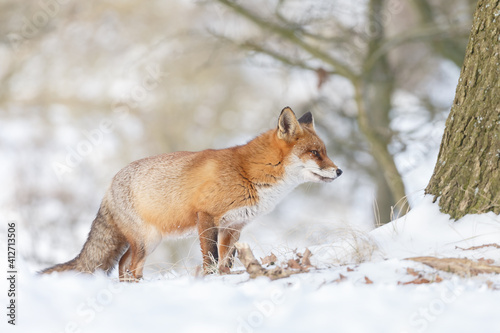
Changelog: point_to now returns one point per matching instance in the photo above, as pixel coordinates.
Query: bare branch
(253, 46)
(280, 57)
(291, 36)
(421, 34)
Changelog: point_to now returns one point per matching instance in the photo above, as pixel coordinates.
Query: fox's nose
(339, 172)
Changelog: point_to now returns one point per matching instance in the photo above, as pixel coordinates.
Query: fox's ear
(288, 125)
(307, 120)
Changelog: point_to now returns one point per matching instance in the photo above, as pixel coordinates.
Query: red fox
(216, 192)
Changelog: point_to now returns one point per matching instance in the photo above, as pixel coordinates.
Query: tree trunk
(466, 178)
(373, 97)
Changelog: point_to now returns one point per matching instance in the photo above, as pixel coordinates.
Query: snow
(317, 301)
(427, 231)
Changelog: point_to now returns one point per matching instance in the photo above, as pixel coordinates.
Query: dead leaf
(305, 259)
(349, 269)
(368, 281)
(411, 271)
(340, 279)
(269, 260)
(419, 280)
(253, 267)
(491, 285)
(293, 264)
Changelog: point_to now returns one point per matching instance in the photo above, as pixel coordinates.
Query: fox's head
(306, 159)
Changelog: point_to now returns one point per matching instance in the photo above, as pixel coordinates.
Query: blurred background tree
(87, 87)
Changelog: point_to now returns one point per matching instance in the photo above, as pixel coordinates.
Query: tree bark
(466, 177)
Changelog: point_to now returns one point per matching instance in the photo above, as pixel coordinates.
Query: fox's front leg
(227, 238)
(208, 233)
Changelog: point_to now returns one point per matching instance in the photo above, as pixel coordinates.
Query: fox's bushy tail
(104, 246)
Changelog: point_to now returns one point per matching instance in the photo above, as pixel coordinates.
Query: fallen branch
(461, 266)
(478, 247)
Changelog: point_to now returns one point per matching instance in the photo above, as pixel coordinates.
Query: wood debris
(478, 247)
(461, 266)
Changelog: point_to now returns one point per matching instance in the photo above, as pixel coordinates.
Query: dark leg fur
(227, 251)
(208, 233)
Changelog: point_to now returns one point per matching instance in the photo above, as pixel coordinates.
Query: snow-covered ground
(358, 286)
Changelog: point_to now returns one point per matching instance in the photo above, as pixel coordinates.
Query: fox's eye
(315, 153)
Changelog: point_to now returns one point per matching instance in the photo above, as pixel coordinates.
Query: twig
(478, 247)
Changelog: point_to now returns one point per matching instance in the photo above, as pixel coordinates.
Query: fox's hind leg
(124, 266)
(131, 264)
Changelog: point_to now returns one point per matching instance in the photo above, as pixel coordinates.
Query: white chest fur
(269, 197)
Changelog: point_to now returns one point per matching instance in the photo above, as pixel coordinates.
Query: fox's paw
(224, 270)
(128, 276)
